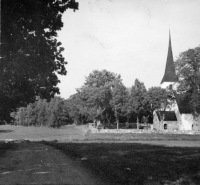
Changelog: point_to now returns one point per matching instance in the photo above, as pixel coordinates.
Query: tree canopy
(137, 97)
(188, 70)
(111, 103)
(31, 56)
(100, 78)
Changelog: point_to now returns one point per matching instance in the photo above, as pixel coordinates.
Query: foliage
(99, 102)
(31, 56)
(100, 78)
(188, 71)
(118, 101)
(137, 99)
(157, 98)
(78, 109)
(42, 113)
(97, 92)
(111, 102)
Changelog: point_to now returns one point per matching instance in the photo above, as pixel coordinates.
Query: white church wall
(164, 85)
(187, 121)
(196, 124)
(156, 122)
(171, 125)
(179, 120)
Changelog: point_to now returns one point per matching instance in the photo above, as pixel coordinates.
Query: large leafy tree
(100, 78)
(188, 70)
(137, 98)
(98, 88)
(119, 99)
(99, 102)
(31, 56)
(127, 107)
(78, 109)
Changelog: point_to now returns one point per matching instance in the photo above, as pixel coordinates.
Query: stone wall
(166, 125)
(171, 125)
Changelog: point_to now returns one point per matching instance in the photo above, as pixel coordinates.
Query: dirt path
(36, 163)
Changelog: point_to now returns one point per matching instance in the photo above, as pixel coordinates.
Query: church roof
(183, 104)
(170, 74)
(169, 115)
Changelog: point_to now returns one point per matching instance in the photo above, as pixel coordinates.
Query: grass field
(139, 158)
(125, 163)
(40, 133)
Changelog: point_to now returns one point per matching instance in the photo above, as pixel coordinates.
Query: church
(179, 116)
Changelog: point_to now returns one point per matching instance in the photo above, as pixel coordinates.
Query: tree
(137, 98)
(99, 102)
(31, 56)
(41, 119)
(118, 101)
(127, 108)
(188, 71)
(56, 110)
(78, 109)
(100, 78)
(31, 116)
(43, 113)
(97, 90)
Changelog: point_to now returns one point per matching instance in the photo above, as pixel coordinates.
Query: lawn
(125, 163)
(132, 158)
(32, 133)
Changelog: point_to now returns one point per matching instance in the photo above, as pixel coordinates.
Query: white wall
(164, 85)
(187, 121)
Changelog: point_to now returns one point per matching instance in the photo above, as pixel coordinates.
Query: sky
(127, 37)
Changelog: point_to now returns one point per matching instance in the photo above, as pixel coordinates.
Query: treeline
(103, 97)
(42, 113)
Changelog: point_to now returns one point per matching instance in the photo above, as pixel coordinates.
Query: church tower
(169, 79)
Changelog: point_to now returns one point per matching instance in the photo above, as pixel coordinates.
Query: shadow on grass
(125, 163)
(4, 147)
(5, 131)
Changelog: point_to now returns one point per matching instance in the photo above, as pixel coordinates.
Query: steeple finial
(169, 35)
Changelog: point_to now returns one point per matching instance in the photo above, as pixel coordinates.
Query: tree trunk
(83, 118)
(108, 117)
(117, 123)
(137, 123)
(117, 119)
(127, 119)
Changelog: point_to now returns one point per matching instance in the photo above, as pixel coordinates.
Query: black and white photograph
(99, 92)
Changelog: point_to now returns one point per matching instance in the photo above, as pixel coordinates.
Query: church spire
(170, 74)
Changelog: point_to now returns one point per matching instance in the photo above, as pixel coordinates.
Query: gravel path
(36, 163)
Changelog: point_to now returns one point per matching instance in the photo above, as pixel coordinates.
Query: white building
(179, 117)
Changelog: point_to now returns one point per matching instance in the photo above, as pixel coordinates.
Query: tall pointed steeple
(170, 74)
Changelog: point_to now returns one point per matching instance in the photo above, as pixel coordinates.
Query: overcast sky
(127, 37)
